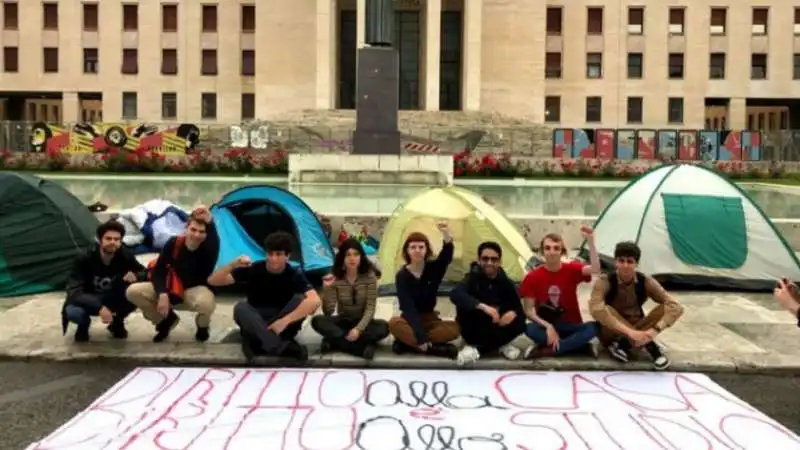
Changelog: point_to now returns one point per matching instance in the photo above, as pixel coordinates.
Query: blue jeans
(571, 336)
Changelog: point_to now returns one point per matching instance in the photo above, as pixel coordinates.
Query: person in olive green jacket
(349, 297)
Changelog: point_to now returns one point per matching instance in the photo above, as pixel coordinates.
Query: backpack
(613, 288)
(174, 284)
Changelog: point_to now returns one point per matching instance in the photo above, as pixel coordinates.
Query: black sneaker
(369, 352)
(443, 350)
(82, 334)
(248, 351)
(399, 348)
(325, 346)
(660, 362)
(117, 329)
(620, 351)
(295, 351)
(165, 327)
(202, 334)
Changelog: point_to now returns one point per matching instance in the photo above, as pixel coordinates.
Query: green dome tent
(42, 228)
(696, 230)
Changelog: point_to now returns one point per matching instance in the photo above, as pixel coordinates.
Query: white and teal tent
(697, 230)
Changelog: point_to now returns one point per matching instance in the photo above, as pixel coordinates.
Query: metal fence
(538, 141)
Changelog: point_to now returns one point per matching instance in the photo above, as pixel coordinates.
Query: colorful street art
(103, 137)
(629, 144)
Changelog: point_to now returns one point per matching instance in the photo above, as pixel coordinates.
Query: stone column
(737, 114)
(471, 63)
(432, 52)
(326, 54)
(70, 107)
(361, 22)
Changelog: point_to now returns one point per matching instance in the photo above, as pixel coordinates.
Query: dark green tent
(42, 229)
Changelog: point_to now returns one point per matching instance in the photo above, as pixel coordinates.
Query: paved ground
(719, 333)
(34, 405)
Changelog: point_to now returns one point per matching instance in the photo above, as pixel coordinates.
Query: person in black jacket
(488, 308)
(96, 285)
(179, 279)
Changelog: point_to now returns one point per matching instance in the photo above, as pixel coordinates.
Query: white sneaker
(467, 355)
(511, 352)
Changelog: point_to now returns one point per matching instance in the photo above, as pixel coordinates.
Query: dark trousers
(253, 323)
(478, 330)
(335, 328)
(572, 336)
(80, 308)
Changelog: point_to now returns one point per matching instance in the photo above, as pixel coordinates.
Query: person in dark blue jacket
(419, 328)
(97, 282)
(489, 310)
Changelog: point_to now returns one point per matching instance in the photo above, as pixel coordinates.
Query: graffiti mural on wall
(103, 137)
(628, 144)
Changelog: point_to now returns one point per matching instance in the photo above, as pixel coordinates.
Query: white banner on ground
(210, 409)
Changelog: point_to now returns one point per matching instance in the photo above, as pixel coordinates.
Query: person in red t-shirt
(550, 297)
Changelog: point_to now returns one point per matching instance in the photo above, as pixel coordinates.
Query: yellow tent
(471, 221)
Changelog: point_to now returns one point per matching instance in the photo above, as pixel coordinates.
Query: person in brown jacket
(352, 293)
(616, 303)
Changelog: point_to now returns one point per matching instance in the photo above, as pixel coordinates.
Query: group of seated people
(107, 281)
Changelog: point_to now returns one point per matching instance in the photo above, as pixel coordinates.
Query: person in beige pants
(191, 258)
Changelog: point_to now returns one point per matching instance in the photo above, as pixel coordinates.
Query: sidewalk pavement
(718, 333)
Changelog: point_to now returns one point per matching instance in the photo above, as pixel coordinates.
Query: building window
(716, 66)
(169, 18)
(208, 105)
(594, 109)
(552, 67)
(130, 107)
(11, 59)
(90, 60)
(169, 61)
(10, 16)
(675, 110)
(130, 61)
(169, 105)
(636, 20)
(130, 17)
(248, 18)
(758, 66)
(675, 66)
(552, 109)
(555, 20)
(248, 63)
(760, 21)
(594, 65)
(677, 17)
(208, 62)
(797, 66)
(594, 20)
(635, 109)
(248, 106)
(796, 20)
(50, 16)
(719, 19)
(50, 59)
(209, 18)
(635, 65)
(90, 19)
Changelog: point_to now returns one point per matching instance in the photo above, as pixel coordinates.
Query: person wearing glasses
(349, 297)
(488, 308)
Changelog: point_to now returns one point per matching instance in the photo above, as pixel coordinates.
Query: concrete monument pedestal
(344, 168)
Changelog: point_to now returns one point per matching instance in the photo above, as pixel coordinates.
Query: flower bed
(466, 165)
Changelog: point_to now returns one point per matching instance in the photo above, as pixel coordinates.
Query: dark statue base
(376, 143)
(377, 102)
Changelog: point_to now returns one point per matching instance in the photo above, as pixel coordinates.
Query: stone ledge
(230, 355)
(394, 169)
